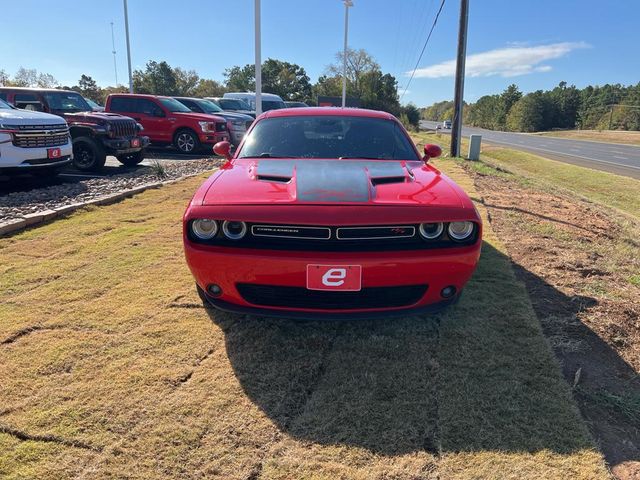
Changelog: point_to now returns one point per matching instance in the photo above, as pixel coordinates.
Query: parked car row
(39, 124)
(42, 130)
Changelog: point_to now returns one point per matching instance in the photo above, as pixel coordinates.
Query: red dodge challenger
(333, 213)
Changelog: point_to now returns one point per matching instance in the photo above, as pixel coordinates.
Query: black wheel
(88, 155)
(131, 159)
(186, 141)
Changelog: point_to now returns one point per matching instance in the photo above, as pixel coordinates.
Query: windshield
(208, 106)
(173, 105)
(4, 105)
(328, 137)
(68, 102)
(92, 103)
(234, 104)
(272, 105)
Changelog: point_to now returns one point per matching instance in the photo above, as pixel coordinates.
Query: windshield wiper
(363, 158)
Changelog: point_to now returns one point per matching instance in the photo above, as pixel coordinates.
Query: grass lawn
(608, 136)
(111, 368)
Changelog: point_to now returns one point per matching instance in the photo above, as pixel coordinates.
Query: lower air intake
(299, 297)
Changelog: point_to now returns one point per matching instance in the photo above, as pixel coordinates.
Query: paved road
(609, 157)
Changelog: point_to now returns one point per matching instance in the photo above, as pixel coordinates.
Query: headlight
(204, 228)
(460, 230)
(431, 231)
(207, 126)
(139, 127)
(234, 230)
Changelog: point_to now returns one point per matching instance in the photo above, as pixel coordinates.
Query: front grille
(374, 238)
(38, 136)
(123, 128)
(299, 297)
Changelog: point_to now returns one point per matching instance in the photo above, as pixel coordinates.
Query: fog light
(214, 290)
(448, 292)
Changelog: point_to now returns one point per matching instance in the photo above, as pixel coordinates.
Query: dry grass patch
(608, 136)
(106, 345)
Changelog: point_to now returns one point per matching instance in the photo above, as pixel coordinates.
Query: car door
(154, 120)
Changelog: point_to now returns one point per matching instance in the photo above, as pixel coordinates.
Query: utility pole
(113, 45)
(347, 4)
(610, 117)
(258, 60)
(456, 127)
(126, 29)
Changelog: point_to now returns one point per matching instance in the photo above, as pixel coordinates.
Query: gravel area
(39, 195)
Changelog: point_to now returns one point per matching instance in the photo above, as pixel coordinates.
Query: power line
(435, 21)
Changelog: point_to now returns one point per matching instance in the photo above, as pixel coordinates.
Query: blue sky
(534, 44)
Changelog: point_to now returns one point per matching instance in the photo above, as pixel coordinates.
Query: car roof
(252, 94)
(37, 89)
(327, 111)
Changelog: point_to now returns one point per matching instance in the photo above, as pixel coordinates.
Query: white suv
(32, 142)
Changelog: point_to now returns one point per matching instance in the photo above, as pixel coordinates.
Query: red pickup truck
(167, 121)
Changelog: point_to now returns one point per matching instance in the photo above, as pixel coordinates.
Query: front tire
(88, 155)
(131, 159)
(186, 141)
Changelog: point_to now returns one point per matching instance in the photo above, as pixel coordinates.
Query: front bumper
(121, 146)
(19, 159)
(211, 138)
(228, 267)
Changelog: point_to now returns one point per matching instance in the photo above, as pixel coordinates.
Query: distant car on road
(233, 105)
(296, 104)
(167, 121)
(95, 134)
(446, 124)
(269, 100)
(32, 142)
(237, 123)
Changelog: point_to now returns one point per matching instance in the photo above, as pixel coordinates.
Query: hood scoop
(332, 180)
(275, 171)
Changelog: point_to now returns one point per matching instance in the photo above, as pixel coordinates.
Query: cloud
(511, 61)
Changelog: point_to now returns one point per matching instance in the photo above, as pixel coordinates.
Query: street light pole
(456, 127)
(126, 28)
(113, 45)
(347, 4)
(258, 60)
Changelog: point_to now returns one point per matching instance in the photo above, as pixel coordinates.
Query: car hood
(95, 117)
(234, 116)
(26, 117)
(326, 182)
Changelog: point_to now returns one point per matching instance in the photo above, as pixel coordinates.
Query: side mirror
(223, 149)
(431, 151)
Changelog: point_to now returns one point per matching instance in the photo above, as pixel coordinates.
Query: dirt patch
(577, 261)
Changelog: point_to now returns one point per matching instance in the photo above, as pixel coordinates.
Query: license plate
(346, 278)
(135, 142)
(54, 153)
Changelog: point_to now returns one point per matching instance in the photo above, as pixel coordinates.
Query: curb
(39, 218)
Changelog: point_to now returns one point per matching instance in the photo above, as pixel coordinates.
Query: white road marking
(619, 157)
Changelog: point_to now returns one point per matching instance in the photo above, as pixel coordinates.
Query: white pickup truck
(32, 142)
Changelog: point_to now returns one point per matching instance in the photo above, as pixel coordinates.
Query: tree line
(365, 81)
(564, 107)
